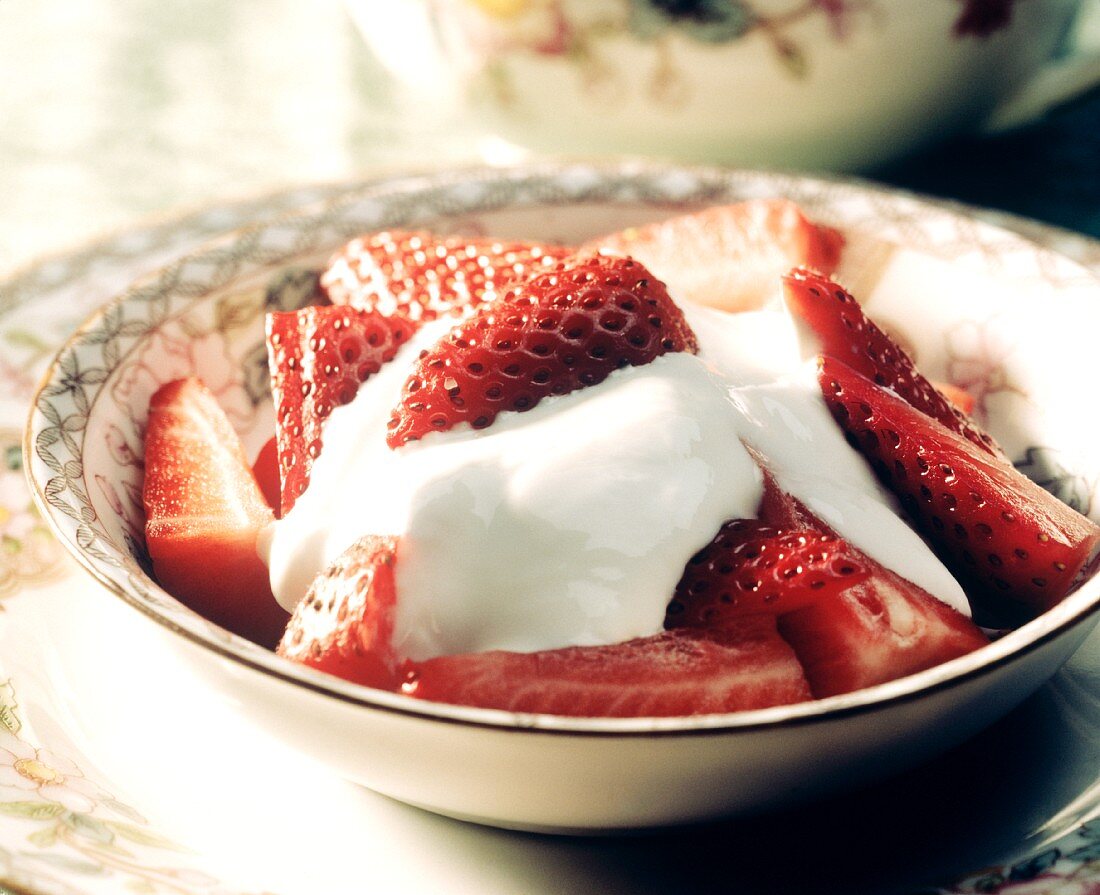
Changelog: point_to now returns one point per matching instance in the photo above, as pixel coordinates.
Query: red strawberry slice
(1013, 541)
(880, 628)
(557, 332)
(730, 256)
(681, 672)
(203, 513)
(318, 358)
(422, 277)
(266, 471)
(846, 333)
(752, 567)
(344, 624)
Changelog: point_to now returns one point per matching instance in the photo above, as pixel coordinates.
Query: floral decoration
(29, 553)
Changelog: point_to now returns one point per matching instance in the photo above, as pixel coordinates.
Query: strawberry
(344, 624)
(731, 256)
(752, 567)
(203, 513)
(558, 331)
(266, 471)
(880, 628)
(1011, 540)
(318, 357)
(846, 333)
(682, 672)
(421, 277)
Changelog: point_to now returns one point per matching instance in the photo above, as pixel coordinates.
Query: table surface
(115, 110)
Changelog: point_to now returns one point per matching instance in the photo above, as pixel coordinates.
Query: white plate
(262, 817)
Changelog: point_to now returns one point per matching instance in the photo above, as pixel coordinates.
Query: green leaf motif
(143, 836)
(235, 311)
(22, 338)
(125, 810)
(792, 57)
(9, 717)
(32, 810)
(13, 457)
(64, 862)
(89, 827)
(44, 837)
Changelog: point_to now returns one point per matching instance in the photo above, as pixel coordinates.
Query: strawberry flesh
(559, 331)
(1008, 538)
(266, 471)
(344, 624)
(419, 276)
(847, 334)
(681, 672)
(881, 628)
(752, 567)
(878, 630)
(204, 512)
(729, 256)
(318, 358)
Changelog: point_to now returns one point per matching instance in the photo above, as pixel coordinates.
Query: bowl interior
(979, 307)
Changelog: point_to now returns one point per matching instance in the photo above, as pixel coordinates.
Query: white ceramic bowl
(837, 85)
(1012, 322)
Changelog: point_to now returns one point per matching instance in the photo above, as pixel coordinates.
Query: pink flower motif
(52, 778)
(166, 357)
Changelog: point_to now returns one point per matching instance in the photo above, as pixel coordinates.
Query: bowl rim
(1076, 609)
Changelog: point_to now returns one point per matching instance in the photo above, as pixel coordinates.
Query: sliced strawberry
(203, 513)
(318, 358)
(752, 567)
(682, 672)
(344, 624)
(730, 256)
(881, 628)
(421, 277)
(1008, 537)
(846, 333)
(266, 471)
(878, 630)
(960, 397)
(556, 332)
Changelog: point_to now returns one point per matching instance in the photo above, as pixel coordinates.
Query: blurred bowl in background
(824, 84)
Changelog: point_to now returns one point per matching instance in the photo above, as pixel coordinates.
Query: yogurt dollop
(571, 523)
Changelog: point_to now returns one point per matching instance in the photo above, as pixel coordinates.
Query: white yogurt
(571, 523)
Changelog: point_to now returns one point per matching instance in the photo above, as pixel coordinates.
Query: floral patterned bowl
(828, 84)
(1011, 322)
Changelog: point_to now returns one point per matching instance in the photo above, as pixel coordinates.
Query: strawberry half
(846, 333)
(203, 513)
(681, 672)
(879, 628)
(344, 624)
(752, 567)
(730, 256)
(557, 332)
(421, 277)
(318, 358)
(1008, 537)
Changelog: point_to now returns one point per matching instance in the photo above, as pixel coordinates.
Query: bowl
(979, 306)
(823, 84)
